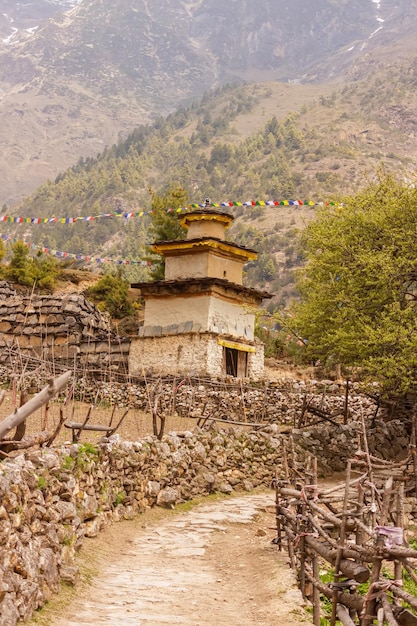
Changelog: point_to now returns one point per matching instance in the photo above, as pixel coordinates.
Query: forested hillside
(253, 142)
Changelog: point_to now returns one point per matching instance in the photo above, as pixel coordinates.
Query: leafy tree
(2, 250)
(19, 269)
(359, 285)
(165, 226)
(45, 271)
(41, 271)
(110, 293)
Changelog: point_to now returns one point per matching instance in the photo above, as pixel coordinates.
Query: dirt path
(211, 566)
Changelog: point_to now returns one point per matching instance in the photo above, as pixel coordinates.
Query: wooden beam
(41, 398)
(343, 615)
(81, 426)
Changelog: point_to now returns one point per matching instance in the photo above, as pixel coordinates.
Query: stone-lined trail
(212, 565)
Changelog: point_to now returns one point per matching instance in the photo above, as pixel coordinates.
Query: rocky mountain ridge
(91, 73)
(19, 20)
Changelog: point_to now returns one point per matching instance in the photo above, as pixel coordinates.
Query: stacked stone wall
(60, 329)
(333, 444)
(52, 499)
(280, 402)
(256, 361)
(163, 355)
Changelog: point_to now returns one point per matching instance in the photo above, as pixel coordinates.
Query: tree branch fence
(353, 531)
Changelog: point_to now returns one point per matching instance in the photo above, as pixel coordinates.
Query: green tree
(45, 271)
(19, 269)
(359, 285)
(110, 293)
(42, 271)
(2, 250)
(165, 226)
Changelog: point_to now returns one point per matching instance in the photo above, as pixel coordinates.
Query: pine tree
(165, 226)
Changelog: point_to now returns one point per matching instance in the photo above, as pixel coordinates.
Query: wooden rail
(353, 530)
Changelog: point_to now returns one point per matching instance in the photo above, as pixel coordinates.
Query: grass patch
(327, 577)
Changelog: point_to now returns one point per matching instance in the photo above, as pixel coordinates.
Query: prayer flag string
(86, 258)
(10, 219)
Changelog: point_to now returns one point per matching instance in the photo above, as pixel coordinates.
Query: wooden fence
(353, 531)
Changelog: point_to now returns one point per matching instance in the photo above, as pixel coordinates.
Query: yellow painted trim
(235, 345)
(206, 217)
(208, 243)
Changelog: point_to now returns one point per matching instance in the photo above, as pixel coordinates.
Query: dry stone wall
(333, 444)
(63, 329)
(279, 402)
(51, 500)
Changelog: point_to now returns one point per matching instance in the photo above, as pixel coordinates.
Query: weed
(67, 462)
(69, 538)
(88, 449)
(42, 482)
(104, 487)
(87, 452)
(327, 576)
(119, 498)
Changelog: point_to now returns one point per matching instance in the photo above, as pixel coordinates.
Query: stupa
(200, 319)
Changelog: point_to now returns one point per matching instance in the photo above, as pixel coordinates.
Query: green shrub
(110, 293)
(41, 271)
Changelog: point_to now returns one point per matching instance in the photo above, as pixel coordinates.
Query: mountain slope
(90, 75)
(20, 19)
(240, 143)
